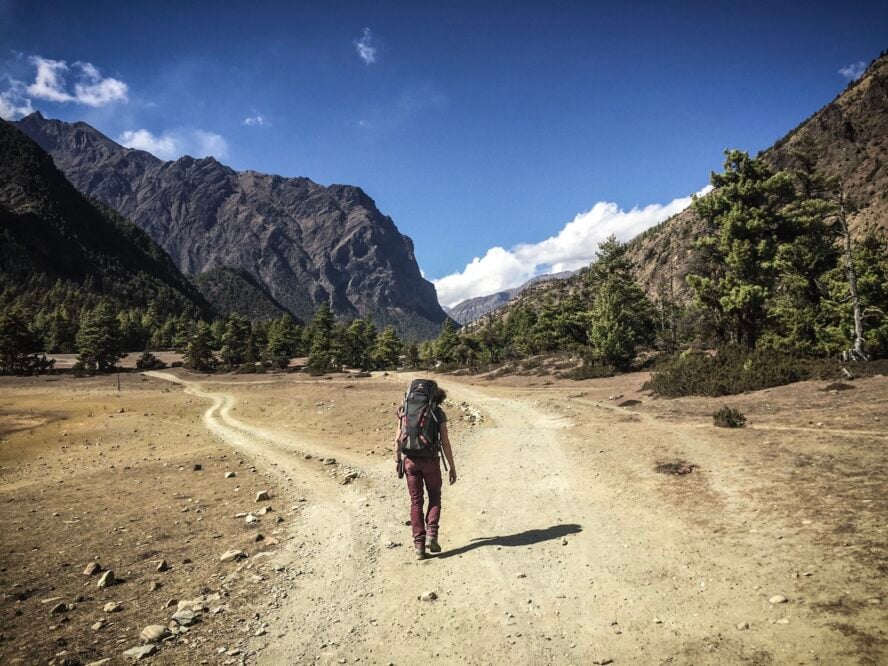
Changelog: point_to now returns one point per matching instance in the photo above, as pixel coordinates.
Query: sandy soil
(562, 543)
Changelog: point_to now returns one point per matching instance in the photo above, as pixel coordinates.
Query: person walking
(420, 439)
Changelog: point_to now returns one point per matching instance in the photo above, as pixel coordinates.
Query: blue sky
(515, 137)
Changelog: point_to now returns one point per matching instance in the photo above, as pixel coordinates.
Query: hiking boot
(433, 545)
(420, 552)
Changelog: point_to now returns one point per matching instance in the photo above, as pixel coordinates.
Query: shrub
(728, 417)
(730, 371)
(148, 361)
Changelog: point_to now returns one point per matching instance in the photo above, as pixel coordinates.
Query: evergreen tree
(321, 342)
(387, 350)
(445, 345)
(236, 341)
(198, 353)
(411, 354)
(19, 346)
(737, 268)
(359, 343)
(622, 318)
(283, 336)
(98, 339)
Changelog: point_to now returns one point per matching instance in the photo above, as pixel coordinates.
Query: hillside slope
(50, 233)
(850, 139)
(304, 243)
(471, 309)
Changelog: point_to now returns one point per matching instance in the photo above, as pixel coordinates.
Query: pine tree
(622, 318)
(736, 271)
(387, 350)
(283, 335)
(235, 341)
(98, 339)
(445, 345)
(321, 342)
(19, 346)
(198, 353)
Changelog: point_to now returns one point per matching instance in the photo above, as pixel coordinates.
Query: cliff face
(303, 243)
(467, 311)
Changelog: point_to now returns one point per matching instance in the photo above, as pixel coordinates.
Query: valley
(562, 543)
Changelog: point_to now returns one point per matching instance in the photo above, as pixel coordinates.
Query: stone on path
(778, 599)
(154, 633)
(262, 496)
(59, 608)
(232, 555)
(185, 617)
(742, 626)
(98, 625)
(428, 596)
(112, 607)
(230, 475)
(92, 569)
(251, 519)
(141, 652)
(107, 579)
(163, 565)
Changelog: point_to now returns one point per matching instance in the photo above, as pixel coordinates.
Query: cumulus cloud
(172, 144)
(53, 77)
(575, 246)
(13, 103)
(853, 71)
(365, 46)
(56, 81)
(255, 120)
(164, 146)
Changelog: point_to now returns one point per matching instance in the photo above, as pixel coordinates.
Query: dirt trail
(556, 550)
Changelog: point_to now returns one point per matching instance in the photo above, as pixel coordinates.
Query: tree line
(774, 268)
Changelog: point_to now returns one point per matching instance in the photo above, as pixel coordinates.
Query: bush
(148, 361)
(730, 371)
(728, 417)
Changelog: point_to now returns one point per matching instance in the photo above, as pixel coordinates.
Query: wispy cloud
(56, 81)
(853, 71)
(256, 120)
(410, 103)
(575, 246)
(173, 144)
(366, 47)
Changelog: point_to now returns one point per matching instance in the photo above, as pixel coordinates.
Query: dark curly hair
(442, 395)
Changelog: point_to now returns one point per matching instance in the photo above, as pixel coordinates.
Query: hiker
(421, 436)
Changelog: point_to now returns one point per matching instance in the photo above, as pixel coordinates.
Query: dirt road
(561, 545)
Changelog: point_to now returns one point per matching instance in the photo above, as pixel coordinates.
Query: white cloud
(13, 103)
(90, 88)
(853, 71)
(173, 144)
(56, 81)
(571, 248)
(164, 146)
(366, 48)
(209, 143)
(256, 120)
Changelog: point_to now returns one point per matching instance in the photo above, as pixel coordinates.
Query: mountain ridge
(304, 243)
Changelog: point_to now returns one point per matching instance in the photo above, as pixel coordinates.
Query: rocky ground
(591, 523)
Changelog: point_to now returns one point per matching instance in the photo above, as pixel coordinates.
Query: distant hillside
(303, 243)
(56, 244)
(233, 290)
(850, 138)
(471, 309)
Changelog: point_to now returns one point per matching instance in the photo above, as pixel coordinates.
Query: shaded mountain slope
(50, 232)
(304, 243)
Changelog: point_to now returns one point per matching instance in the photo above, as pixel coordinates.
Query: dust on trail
(551, 555)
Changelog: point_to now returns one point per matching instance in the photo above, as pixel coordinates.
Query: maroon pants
(421, 471)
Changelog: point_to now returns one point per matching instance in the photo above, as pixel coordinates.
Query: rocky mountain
(471, 309)
(54, 241)
(233, 290)
(850, 139)
(302, 243)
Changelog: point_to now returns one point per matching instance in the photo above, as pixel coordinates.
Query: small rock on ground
(778, 599)
(232, 555)
(141, 652)
(107, 579)
(153, 633)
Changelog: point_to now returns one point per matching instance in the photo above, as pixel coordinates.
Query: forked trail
(551, 555)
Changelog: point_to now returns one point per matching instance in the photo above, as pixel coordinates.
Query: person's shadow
(526, 538)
